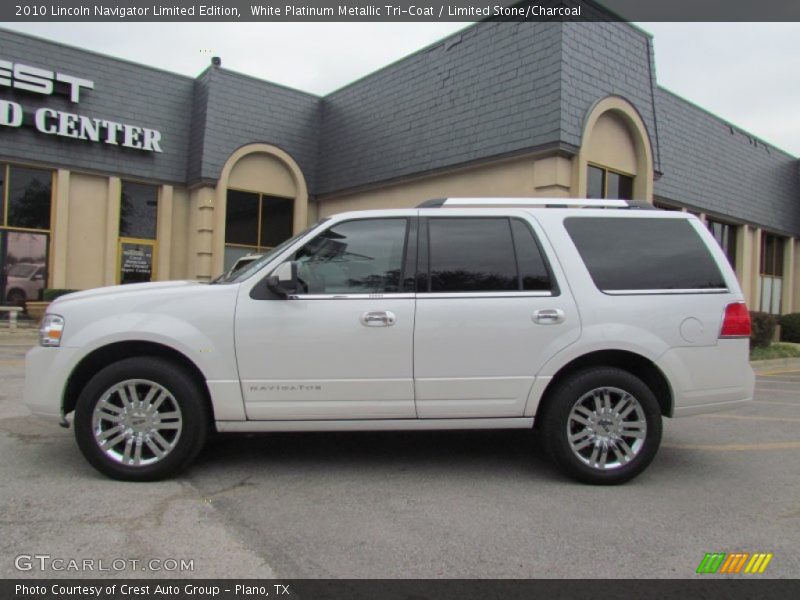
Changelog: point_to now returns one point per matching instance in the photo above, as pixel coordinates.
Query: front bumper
(46, 373)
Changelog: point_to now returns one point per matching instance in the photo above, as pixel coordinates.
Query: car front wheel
(602, 426)
(141, 419)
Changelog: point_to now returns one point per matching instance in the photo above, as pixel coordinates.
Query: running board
(375, 425)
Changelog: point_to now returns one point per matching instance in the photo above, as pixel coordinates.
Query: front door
(489, 315)
(341, 349)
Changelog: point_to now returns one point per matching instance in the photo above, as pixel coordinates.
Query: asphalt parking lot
(427, 505)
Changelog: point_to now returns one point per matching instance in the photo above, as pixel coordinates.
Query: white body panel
(314, 359)
(478, 357)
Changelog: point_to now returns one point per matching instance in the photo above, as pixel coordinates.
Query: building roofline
(233, 73)
(730, 124)
(396, 62)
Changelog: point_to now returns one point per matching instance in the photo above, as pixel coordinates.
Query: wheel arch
(103, 356)
(636, 364)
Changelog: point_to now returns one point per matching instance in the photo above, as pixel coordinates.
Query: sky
(745, 73)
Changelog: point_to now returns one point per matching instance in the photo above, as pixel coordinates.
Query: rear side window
(644, 254)
(484, 255)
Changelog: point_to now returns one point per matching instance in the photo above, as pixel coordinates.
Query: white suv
(585, 320)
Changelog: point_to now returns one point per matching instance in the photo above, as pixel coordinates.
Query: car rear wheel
(602, 426)
(141, 419)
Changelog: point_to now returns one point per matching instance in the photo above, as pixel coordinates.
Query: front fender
(211, 351)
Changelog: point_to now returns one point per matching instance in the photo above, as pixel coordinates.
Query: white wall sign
(66, 124)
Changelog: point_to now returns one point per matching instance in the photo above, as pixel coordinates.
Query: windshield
(246, 272)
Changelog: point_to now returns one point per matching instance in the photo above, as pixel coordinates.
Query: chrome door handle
(378, 318)
(548, 316)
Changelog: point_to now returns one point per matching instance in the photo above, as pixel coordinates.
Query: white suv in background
(584, 320)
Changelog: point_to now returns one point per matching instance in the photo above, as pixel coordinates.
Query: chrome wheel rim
(137, 422)
(606, 428)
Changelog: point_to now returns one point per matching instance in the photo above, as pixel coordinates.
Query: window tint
(137, 217)
(354, 257)
(29, 194)
(471, 255)
(643, 254)
(532, 269)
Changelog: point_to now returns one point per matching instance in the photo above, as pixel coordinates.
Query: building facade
(114, 172)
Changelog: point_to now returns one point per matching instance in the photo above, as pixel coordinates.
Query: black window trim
(424, 268)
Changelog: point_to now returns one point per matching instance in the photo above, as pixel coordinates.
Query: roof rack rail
(534, 202)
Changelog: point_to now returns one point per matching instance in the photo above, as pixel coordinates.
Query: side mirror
(283, 280)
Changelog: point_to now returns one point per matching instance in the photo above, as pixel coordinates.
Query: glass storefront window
(29, 195)
(24, 260)
(136, 262)
(138, 211)
(605, 183)
(24, 233)
(725, 234)
(771, 273)
(254, 223)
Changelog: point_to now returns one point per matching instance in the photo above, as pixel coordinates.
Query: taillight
(736, 322)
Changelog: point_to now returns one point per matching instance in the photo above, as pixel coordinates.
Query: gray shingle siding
(490, 90)
(600, 60)
(242, 110)
(198, 132)
(713, 166)
(123, 92)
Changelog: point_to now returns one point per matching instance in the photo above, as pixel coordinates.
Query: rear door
(492, 308)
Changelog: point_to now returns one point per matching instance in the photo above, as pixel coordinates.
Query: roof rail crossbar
(528, 202)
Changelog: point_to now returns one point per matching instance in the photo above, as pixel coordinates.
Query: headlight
(50, 330)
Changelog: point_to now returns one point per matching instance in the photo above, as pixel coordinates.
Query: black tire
(187, 432)
(557, 424)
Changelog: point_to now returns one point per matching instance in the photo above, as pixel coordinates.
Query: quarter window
(484, 255)
(635, 254)
(354, 257)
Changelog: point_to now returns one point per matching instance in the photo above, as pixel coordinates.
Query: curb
(781, 364)
(19, 337)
